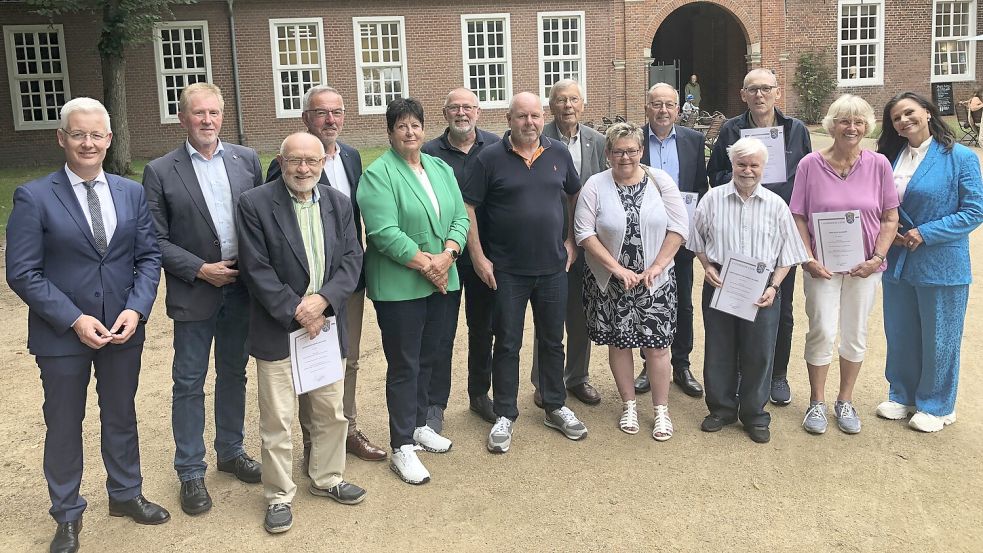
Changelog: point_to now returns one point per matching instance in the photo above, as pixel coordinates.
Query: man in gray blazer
(678, 151)
(301, 262)
(192, 193)
(587, 149)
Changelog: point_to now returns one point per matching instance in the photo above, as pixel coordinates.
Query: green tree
(124, 22)
(815, 80)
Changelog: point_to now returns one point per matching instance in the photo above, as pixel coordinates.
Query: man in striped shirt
(743, 217)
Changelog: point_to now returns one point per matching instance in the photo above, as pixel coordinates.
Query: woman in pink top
(842, 177)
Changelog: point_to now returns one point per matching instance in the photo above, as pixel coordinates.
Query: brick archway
(738, 10)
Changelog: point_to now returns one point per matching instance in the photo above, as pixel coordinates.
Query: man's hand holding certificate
(742, 290)
(839, 240)
(316, 361)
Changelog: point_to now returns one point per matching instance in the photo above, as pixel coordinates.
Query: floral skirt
(630, 318)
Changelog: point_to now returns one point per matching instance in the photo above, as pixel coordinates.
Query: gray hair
(319, 89)
(657, 86)
(849, 106)
(83, 104)
(283, 145)
(747, 146)
(447, 100)
(618, 131)
(563, 84)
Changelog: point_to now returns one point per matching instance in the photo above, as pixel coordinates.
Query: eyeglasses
(659, 105)
(323, 113)
(298, 161)
(453, 108)
(763, 89)
(852, 122)
(626, 153)
(572, 100)
(79, 136)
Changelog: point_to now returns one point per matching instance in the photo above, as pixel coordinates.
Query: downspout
(237, 92)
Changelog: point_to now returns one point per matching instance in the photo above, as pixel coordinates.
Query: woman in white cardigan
(631, 220)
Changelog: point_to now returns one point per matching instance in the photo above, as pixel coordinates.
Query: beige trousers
(353, 321)
(328, 427)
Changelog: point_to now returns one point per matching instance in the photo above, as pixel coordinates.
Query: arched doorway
(710, 42)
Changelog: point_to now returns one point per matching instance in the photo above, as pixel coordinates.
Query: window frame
(165, 117)
(970, 74)
(507, 60)
(282, 113)
(878, 79)
(582, 43)
(360, 66)
(17, 109)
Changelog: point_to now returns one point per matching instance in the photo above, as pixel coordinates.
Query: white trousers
(843, 302)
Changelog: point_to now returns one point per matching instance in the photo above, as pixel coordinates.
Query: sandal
(663, 424)
(629, 418)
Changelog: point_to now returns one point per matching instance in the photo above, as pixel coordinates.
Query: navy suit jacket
(54, 266)
(185, 229)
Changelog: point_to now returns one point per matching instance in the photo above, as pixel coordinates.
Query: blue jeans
(548, 295)
(192, 344)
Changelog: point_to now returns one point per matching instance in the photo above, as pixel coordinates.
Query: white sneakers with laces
(407, 465)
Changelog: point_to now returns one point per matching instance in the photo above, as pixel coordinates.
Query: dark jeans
(440, 378)
(578, 342)
(735, 346)
(412, 331)
(479, 305)
(65, 380)
(783, 345)
(682, 342)
(548, 295)
(229, 327)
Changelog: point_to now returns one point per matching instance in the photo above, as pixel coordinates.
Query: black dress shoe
(66, 538)
(140, 510)
(713, 423)
(194, 497)
(244, 468)
(483, 407)
(585, 393)
(343, 492)
(642, 384)
(758, 434)
(685, 380)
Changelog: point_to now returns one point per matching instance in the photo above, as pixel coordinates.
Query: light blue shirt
(215, 187)
(663, 154)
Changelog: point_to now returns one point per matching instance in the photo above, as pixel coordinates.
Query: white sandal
(663, 424)
(629, 418)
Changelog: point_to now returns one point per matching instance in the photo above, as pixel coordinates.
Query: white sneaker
(500, 437)
(431, 441)
(566, 422)
(407, 465)
(924, 422)
(892, 410)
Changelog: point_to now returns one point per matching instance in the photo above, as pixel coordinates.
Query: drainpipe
(237, 93)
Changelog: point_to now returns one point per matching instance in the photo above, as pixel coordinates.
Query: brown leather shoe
(585, 393)
(360, 446)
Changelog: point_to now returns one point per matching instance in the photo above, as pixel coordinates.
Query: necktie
(95, 213)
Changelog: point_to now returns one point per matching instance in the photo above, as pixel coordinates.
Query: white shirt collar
(193, 152)
(74, 179)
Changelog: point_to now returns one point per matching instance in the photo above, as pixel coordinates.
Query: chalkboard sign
(942, 96)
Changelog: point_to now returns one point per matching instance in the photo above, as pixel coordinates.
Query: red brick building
(373, 50)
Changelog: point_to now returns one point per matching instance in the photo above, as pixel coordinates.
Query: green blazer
(400, 221)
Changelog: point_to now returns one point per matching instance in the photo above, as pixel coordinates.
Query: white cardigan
(600, 213)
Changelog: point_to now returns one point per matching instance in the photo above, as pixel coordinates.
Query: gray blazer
(273, 264)
(591, 149)
(185, 231)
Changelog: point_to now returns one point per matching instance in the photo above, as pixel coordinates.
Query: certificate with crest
(839, 240)
(774, 141)
(744, 281)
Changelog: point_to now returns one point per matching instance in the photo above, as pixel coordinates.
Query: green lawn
(12, 178)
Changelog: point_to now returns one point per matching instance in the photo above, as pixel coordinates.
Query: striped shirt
(308, 214)
(760, 227)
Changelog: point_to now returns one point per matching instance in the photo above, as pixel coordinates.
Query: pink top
(869, 187)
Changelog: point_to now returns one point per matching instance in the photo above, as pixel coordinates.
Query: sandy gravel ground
(886, 488)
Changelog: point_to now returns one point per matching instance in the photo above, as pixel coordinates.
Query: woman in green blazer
(416, 226)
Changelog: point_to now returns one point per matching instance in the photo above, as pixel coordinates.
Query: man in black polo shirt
(520, 252)
(459, 147)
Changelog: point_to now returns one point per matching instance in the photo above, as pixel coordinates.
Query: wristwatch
(878, 256)
(775, 286)
(454, 253)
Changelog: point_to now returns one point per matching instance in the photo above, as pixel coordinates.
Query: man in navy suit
(678, 151)
(82, 254)
(324, 117)
(192, 193)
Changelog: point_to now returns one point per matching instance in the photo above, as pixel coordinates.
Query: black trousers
(783, 345)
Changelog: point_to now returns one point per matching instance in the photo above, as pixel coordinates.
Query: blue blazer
(53, 264)
(944, 201)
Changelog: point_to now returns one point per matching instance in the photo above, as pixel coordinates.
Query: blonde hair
(199, 88)
(849, 106)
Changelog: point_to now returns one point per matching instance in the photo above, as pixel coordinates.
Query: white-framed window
(183, 58)
(562, 51)
(37, 71)
(486, 47)
(298, 61)
(860, 58)
(380, 62)
(953, 59)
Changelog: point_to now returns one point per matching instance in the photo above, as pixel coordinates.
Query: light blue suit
(926, 290)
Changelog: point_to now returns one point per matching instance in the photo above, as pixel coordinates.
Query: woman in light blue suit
(926, 285)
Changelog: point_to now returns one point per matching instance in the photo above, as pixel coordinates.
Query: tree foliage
(815, 80)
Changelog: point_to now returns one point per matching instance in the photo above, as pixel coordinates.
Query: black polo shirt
(524, 216)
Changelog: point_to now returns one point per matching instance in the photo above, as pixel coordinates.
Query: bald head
(301, 160)
(461, 112)
(525, 118)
